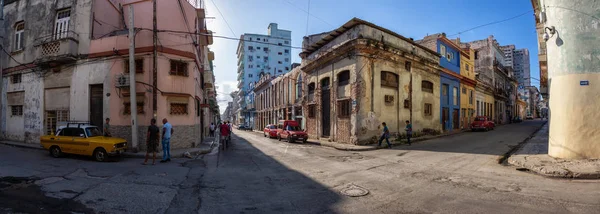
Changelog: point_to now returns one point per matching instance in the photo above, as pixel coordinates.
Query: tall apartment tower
(518, 59)
(257, 55)
(522, 66)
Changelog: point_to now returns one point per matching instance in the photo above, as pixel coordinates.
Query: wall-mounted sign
(584, 82)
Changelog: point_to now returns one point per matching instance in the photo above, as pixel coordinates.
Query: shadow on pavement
(244, 179)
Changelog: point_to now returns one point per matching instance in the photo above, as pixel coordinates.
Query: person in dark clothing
(385, 135)
(408, 130)
(152, 141)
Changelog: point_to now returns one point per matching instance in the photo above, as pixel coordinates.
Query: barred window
(179, 68)
(179, 108)
(140, 108)
(345, 108)
(16, 110)
(16, 78)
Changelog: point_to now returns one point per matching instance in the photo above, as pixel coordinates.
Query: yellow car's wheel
(100, 154)
(55, 151)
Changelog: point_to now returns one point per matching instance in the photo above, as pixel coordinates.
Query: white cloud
(224, 88)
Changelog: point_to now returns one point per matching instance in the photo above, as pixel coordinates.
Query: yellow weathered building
(467, 85)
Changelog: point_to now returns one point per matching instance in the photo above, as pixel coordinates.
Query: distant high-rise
(518, 59)
(257, 55)
(522, 67)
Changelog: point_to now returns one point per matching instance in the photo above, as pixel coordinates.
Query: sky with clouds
(409, 18)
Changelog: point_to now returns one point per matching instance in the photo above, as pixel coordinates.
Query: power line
(10, 55)
(216, 36)
(491, 23)
(307, 17)
(234, 34)
(287, 1)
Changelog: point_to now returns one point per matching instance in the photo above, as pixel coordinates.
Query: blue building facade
(449, 84)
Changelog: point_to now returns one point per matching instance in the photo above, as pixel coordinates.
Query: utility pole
(1, 66)
(154, 68)
(132, 92)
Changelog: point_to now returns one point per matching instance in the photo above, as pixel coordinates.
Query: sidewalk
(533, 156)
(370, 147)
(204, 148)
(22, 145)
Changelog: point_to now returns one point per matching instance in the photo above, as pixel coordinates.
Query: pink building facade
(93, 84)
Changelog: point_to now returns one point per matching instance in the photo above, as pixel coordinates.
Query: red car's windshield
(271, 127)
(480, 119)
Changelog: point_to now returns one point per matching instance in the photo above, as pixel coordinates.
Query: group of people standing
(152, 137)
(152, 140)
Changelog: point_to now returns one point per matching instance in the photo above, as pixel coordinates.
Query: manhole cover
(354, 191)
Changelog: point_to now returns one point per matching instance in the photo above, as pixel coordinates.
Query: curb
(503, 159)
(22, 145)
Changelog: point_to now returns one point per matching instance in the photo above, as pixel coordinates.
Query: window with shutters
(345, 109)
(389, 79)
(61, 26)
(312, 111)
(179, 68)
(426, 86)
(427, 109)
(139, 66)
(19, 36)
(179, 108)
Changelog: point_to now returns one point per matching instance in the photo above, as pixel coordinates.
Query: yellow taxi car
(82, 139)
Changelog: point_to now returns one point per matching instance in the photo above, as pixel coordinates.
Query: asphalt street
(454, 174)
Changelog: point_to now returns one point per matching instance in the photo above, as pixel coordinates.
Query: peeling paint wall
(28, 126)
(369, 107)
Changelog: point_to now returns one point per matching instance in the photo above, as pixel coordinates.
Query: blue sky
(409, 18)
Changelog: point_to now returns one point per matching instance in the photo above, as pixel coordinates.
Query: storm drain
(353, 190)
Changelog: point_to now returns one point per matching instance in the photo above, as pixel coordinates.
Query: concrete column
(574, 73)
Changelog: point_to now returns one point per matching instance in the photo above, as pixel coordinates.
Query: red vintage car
(290, 130)
(482, 123)
(270, 131)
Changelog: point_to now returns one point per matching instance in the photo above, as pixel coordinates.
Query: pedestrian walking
(224, 131)
(385, 135)
(107, 128)
(152, 141)
(212, 129)
(408, 130)
(166, 140)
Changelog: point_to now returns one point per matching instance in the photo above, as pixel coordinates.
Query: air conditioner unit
(122, 80)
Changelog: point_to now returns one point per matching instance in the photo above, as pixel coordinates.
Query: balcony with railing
(61, 47)
(499, 67)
